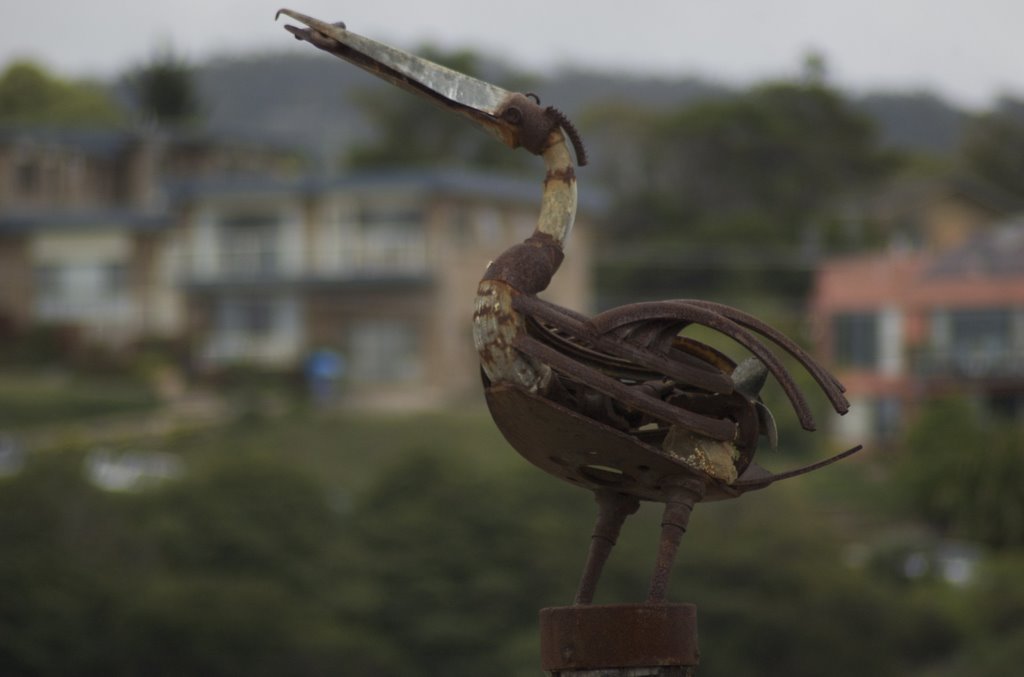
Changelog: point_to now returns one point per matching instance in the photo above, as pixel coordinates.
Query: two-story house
(78, 218)
(381, 268)
(261, 267)
(84, 221)
(903, 326)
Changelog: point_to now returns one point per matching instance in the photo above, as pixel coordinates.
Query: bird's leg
(673, 525)
(612, 510)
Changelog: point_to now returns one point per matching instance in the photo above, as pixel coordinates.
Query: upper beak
(481, 102)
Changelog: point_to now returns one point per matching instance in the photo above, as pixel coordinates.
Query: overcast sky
(967, 50)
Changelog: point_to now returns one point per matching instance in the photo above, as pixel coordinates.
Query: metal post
(619, 640)
(629, 672)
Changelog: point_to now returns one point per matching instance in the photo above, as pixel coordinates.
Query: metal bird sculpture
(622, 403)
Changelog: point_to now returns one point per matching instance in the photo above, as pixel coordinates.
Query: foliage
(994, 147)
(453, 567)
(36, 398)
(756, 168)
(996, 614)
(743, 188)
(422, 546)
(412, 133)
(965, 475)
(164, 90)
(31, 95)
(774, 597)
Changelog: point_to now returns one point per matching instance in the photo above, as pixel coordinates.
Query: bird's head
(517, 120)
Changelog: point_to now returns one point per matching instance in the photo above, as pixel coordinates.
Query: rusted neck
(525, 268)
(558, 205)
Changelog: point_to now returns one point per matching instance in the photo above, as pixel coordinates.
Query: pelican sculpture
(623, 404)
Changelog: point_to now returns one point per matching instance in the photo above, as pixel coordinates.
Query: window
(855, 339)
(387, 236)
(385, 351)
(47, 280)
(488, 225)
(461, 226)
(985, 330)
(115, 280)
(95, 292)
(887, 416)
(85, 282)
(256, 328)
(27, 177)
(974, 342)
(249, 244)
(248, 317)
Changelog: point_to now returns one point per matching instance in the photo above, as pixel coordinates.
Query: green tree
(741, 188)
(759, 167)
(449, 563)
(993, 148)
(67, 557)
(165, 91)
(965, 475)
(774, 595)
(29, 94)
(995, 615)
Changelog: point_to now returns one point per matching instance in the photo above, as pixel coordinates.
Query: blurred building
(126, 236)
(380, 267)
(938, 213)
(84, 219)
(901, 326)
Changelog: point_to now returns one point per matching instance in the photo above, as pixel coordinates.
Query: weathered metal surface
(618, 636)
(682, 496)
(525, 269)
(587, 453)
(565, 443)
(613, 508)
(660, 671)
(622, 404)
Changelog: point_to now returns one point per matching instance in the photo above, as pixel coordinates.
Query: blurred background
(241, 424)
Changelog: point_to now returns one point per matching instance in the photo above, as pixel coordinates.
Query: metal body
(623, 404)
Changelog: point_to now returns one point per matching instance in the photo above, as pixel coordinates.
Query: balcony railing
(971, 364)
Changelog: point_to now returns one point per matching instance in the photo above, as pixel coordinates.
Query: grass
(351, 448)
(34, 398)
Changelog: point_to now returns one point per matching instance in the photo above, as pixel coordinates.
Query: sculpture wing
(640, 345)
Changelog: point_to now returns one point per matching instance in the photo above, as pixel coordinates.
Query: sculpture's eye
(512, 115)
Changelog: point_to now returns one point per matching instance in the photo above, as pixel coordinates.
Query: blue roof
(464, 183)
(187, 190)
(81, 219)
(108, 141)
(98, 142)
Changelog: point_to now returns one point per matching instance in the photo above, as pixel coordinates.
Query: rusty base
(594, 637)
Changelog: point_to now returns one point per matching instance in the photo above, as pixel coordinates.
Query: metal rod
(612, 510)
(673, 525)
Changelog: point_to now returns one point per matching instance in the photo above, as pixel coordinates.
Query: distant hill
(294, 99)
(307, 100)
(916, 121)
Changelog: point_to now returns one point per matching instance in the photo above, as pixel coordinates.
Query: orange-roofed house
(900, 327)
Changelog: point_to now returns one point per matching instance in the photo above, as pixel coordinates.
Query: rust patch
(565, 175)
(619, 635)
(531, 122)
(528, 266)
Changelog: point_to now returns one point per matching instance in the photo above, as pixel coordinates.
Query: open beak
(481, 102)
